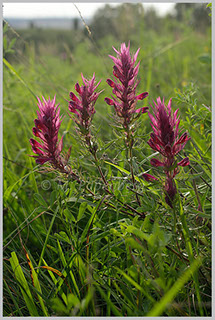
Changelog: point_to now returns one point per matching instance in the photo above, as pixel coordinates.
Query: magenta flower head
(166, 140)
(124, 85)
(83, 106)
(148, 177)
(46, 129)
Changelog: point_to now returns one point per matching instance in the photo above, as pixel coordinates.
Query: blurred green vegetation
(175, 61)
(173, 53)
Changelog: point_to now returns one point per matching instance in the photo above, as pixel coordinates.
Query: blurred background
(47, 46)
(44, 24)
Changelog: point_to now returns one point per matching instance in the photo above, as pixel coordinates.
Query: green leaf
(12, 43)
(69, 215)
(9, 190)
(115, 311)
(90, 221)
(5, 43)
(13, 299)
(165, 301)
(47, 238)
(81, 211)
(55, 280)
(62, 236)
(37, 286)
(135, 284)
(19, 275)
(53, 197)
(140, 234)
(65, 265)
(205, 58)
(13, 71)
(136, 178)
(40, 199)
(5, 27)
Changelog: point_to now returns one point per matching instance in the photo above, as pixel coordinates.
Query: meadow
(109, 244)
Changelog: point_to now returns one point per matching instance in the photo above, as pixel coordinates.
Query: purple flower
(149, 177)
(46, 129)
(156, 163)
(183, 163)
(83, 106)
(166, 140)
(125, 84)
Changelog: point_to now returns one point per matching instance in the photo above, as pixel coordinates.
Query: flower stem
(129, 144)
(99, 169)
(110, 192)
(132, 173)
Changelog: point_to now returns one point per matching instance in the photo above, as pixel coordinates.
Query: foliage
(80, 248)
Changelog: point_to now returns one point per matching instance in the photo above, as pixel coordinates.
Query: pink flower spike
(184, 138)
(109, 101)
(73, 110)
(142, 96)
(41, 161)
(83, 106)
(136, 54)
(183, 163)
(165, 127)
(149, 177)
(165, 139)
(47, 128)
(77, 88)
(125, 85)
(73, 97)
(142, 110)
(156, 163)
(116, 51)
(111, 83)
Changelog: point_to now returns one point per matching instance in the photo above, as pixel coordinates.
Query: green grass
(94, 255)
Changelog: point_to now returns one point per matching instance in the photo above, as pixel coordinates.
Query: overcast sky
(35, 10)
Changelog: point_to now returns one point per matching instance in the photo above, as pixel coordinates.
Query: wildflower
(149, 177)
(166, 140)
(183, 163)
(83, 106)
(124, 86)
(46, 128)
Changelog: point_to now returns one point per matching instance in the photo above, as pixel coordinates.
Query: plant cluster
(123, 229)
(165, 124)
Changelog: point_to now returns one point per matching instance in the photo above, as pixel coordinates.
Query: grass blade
(36, 284)
(13, 71)
(160, 306)
(23, 285)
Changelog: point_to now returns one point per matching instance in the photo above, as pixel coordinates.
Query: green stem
(132, 172)
(130, 158)
(110, 192)
(99, 169)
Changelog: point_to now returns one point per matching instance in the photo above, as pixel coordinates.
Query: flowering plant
(165, 137)
(83, 107)
(46, 129)
(166, 140)
(124, 86)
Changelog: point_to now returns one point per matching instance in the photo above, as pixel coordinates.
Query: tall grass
(75, 250)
